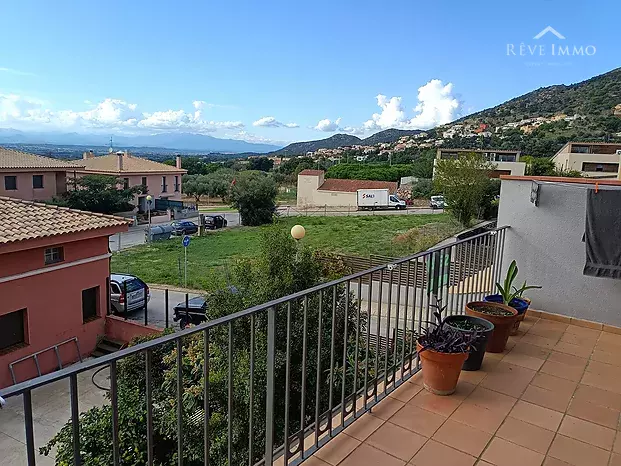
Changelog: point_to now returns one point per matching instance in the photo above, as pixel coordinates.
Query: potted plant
(502, 316)
(443, 350)
(470, 324)
(509, 295)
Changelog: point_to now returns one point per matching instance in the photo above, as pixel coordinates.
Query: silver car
(128, 288)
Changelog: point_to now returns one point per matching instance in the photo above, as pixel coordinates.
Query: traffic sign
(186, 241)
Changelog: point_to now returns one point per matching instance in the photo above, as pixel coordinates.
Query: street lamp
(149, 199)
(298, 232)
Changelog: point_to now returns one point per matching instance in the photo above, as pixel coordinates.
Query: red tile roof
(309, 172)
(351, 186)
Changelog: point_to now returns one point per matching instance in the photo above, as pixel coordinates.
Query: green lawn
(224, 208)
(209, 256)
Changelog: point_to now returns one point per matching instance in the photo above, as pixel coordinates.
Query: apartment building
(592, 159)
(507, 161)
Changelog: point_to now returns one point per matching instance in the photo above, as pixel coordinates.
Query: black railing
(317, 360)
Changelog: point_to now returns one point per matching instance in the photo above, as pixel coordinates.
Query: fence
(281, 379)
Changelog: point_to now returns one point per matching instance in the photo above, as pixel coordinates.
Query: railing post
(166, 305)
(269, 399)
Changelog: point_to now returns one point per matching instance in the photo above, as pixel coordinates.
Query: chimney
(120, 161)
(88, 155)
(85, 155)
(178, 162)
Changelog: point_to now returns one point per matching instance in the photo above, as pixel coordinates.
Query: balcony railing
(317, 359)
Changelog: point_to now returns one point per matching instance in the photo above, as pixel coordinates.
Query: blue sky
(217, 67)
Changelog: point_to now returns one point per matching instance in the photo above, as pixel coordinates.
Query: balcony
(330, 376)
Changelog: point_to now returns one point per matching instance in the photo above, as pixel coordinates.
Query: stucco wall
(24, 186)
(546, 242)
(310, 196)
(123, 330)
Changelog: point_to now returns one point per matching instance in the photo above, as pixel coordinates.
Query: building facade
(32, 177)
(591, 159)
(54, 272)
(161, 181)
(507, 162)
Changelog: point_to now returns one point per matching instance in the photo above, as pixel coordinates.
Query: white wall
(310, 196)
(546, 242)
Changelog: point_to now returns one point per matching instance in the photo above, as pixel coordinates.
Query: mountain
(301, 148)
(389, 135)
(179, 141)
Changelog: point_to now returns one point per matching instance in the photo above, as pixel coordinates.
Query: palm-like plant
(507, 290)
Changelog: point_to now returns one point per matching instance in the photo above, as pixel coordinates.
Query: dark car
(184, 227)
(213, 222)
(195, 313)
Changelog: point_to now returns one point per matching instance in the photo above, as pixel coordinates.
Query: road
(136, 235)
(157, 308)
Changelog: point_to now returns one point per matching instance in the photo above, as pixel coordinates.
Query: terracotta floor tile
(607, 347)
(531, 350)
(598, 396)
(406, 392)
(337, 449)
(568, 359)
(314, 461)
(396, 441)
(538, 415)
(473, 377)
(549, 461)
(537, 340)
(615, 460)
(418, 420)
(546, 333)
(462, 437)
(583, 331)
(587, 432)
(523, 360)
(605, 382)
(564, 371)
(546, 398)
(435, 453)
(443, 405)
(555, 384)
(602, 368)
(366, 455)
(387, 407)
(612, 338)
(613, 359)
(483, 463)
(508, 379)
(577, 453)
(552, 325)
(478, 417)
(491, 400)
(617, 445)
(503, 453)
(575, 350)
(364, 426)
(527, 435)
(587, 342)
(594, 413)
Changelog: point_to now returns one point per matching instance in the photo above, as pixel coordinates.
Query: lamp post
(297, 232)
(149, 199)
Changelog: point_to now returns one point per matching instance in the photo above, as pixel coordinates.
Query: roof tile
(16, 159)
(131, 164)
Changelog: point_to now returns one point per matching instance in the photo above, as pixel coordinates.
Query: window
(12, 330)
(600, 167)
(37, 181)
(10, 183)
(144, 181)
(164, 185)
(176, 184)
(125, 183)
(54, 255)
(580, 149)
(90, 304)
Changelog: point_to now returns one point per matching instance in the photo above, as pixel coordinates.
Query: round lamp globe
(298, 232)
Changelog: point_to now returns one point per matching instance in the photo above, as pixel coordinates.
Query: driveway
(156, 310)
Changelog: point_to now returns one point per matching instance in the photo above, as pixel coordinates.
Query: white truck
(372, 199)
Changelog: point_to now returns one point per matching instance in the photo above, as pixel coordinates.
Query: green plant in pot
(502, 316)
(469, 324)
(509, 295)
(442, 350)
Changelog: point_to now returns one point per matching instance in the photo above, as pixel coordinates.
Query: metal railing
(293, 372)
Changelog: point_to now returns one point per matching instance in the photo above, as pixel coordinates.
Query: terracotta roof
(16, 159)
(131, 164)
(24, 220)
(309, 172)
(351, 186)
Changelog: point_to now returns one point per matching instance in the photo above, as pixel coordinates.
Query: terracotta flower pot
(520, 318)
(502, 323)
(440, 370)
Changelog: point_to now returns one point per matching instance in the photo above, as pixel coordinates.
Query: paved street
(157, 308)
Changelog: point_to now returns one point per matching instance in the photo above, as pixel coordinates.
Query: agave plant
(507, 290)
(442, 338)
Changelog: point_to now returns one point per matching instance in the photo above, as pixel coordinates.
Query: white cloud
(271, 122)
(110, 114)
(16, 72)
(328, 125)
(436, 106)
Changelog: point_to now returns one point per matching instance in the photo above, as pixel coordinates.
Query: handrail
(113, 357)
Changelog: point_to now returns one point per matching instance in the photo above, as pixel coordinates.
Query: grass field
(224, 208)
(209, 256)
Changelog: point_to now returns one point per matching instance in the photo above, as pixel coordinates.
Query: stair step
(117, 344)
(97, 354)
(106, 349)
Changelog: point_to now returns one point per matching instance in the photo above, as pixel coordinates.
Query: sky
(279, 71)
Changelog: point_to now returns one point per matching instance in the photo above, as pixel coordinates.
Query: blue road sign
(186, 241)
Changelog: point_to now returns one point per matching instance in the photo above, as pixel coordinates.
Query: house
(591, 159)
(506, 161)
(314, 190)
(162, 181)
(33, 177)
(53, 283)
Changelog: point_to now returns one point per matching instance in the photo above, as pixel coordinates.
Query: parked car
(184, 227)
(195, 313)
(213, 222)
(437, 202)
(127, 292)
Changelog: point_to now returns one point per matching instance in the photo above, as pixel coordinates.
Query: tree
(99, 193)
(215, 184)
(464, 183)
(260, 163)
(254, 195)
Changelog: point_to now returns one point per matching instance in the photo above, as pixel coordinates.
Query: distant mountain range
(341, 140)
(178, 141)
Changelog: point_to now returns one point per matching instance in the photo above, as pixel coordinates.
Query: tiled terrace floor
(552, 398)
